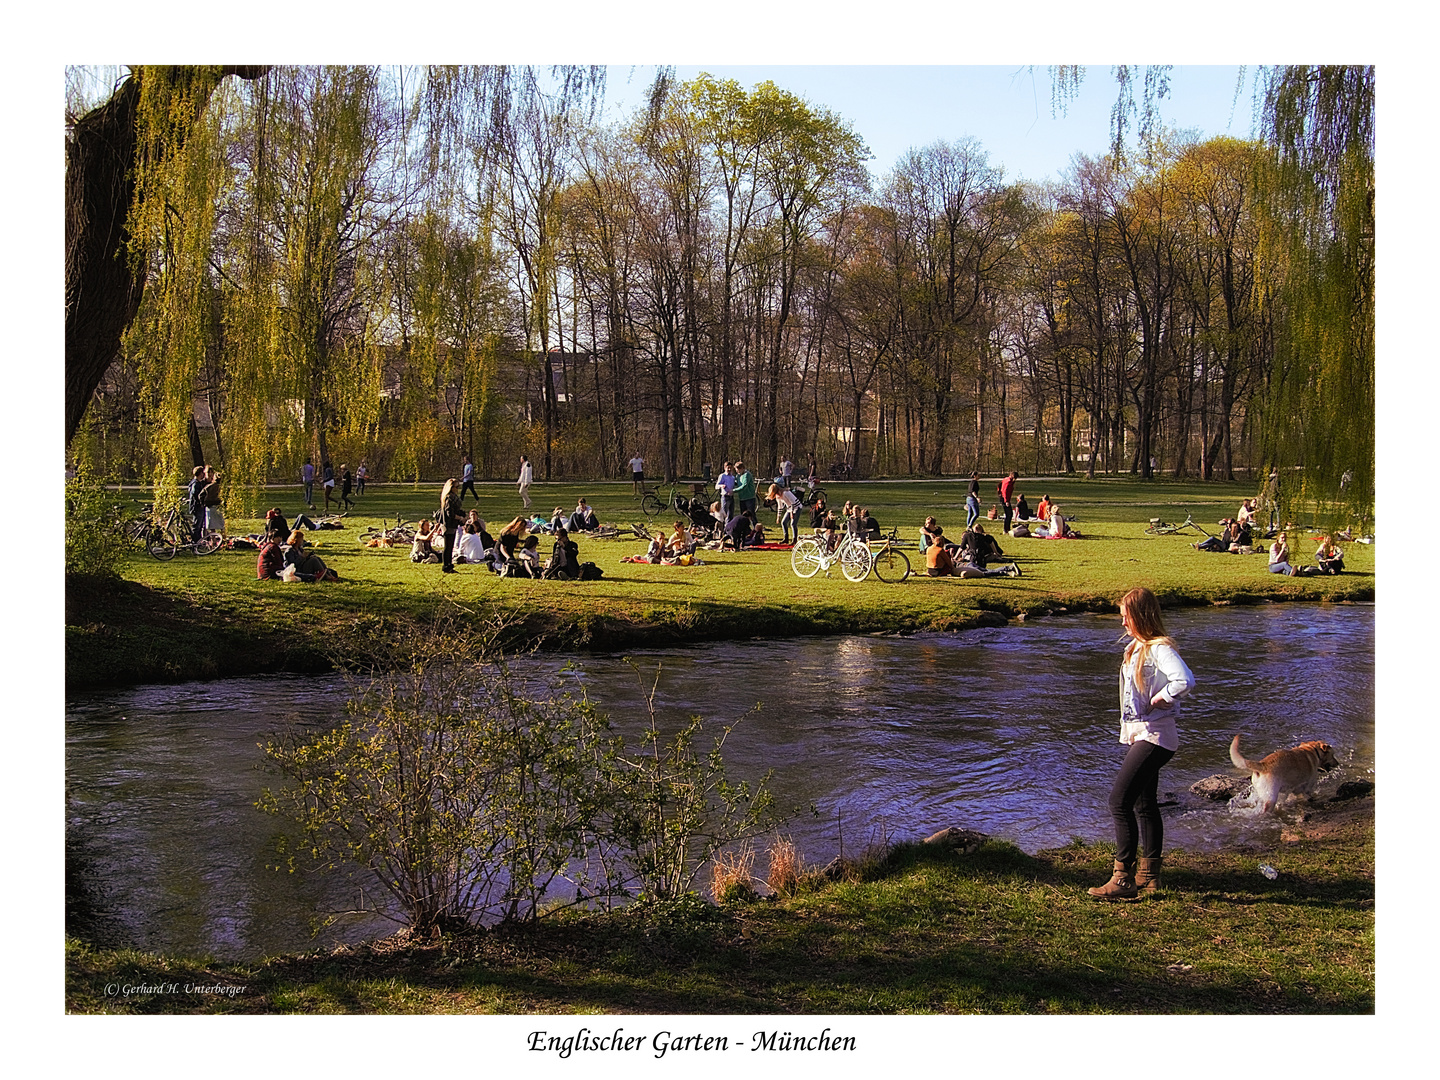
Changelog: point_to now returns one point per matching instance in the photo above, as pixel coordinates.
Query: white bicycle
(809, 557)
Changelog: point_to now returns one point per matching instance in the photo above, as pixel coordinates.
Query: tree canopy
(409, 264)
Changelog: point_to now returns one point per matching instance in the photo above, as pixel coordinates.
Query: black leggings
(1134, 794)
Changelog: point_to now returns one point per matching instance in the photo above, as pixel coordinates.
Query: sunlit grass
(209, 616)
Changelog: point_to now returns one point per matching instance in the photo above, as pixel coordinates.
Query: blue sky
(1006, 108)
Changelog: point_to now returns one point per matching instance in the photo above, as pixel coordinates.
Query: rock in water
(1220, 787)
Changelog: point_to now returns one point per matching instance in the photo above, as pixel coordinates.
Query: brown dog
(1285, 771)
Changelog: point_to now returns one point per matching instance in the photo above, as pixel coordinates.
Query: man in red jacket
(1006, 488)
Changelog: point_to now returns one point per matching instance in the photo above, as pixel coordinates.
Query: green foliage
(94, 544)
(468, 798)
(1319, 193)
(676, 807)
(463, 797)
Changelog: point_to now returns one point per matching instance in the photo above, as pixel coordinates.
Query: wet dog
(1295, 771)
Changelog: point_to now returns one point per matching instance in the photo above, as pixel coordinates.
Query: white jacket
(1163, 674)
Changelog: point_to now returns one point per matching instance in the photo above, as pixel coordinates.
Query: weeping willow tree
(1318, 409)
(302, 333)
(130, 178)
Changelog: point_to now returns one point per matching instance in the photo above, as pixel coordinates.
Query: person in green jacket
(745, 489)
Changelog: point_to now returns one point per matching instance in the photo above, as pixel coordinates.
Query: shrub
(465, 799)
(675, 807)
(94, 545)
(469, 800)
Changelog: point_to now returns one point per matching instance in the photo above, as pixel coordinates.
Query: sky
(1007, 109)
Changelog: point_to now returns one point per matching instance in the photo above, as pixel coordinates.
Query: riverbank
(203, 618)
(922, 928)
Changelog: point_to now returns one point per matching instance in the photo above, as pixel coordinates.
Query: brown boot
(1147, 877)
(1121, 885)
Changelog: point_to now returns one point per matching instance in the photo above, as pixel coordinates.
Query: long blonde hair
(1143, 607)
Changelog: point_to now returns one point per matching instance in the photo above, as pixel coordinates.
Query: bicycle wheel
(162, 542)
(1155, 528)
(651, 504)
(805, 558)
(209, 542)
(815, 496)
(891, 566)
(855, 562)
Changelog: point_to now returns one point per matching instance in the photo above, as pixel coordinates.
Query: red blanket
(770, 547)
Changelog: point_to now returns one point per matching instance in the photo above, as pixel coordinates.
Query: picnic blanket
(770, 547)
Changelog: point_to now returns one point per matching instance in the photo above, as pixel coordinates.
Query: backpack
(590, 572)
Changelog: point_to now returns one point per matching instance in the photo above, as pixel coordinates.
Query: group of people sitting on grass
(582, 519)
(1328, 558)
(1047, 521)
(971, 557)
(677, 548)
(515, 552)
(284, 554)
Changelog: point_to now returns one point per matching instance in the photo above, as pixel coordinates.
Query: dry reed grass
(732, 874)
(786, 866)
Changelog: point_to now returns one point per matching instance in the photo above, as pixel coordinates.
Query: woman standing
(1152, 680)
(451, 515)
(972, 501)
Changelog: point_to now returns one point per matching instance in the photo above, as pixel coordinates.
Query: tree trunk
(102, 286)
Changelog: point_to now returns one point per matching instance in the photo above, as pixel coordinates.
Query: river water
(1008, 730)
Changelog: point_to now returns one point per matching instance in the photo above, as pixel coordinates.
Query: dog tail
(1239, 760)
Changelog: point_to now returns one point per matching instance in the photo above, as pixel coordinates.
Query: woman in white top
(787, 507)
(1153, 678)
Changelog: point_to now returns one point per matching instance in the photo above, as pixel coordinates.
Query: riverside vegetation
(906, 928)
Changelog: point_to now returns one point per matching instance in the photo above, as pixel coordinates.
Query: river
(1008, 730)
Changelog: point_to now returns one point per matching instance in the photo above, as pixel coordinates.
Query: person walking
(307, 477)
(345, 488)
(467, 477)
(972, 501)
(637, 472)
(1153, 678)
(1006, 488)
(523, 481)
(327, 481)
(361, 475)
(786, 468)
(451, 515)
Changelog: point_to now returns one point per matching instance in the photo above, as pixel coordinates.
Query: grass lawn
(918, 930)
(206, 617)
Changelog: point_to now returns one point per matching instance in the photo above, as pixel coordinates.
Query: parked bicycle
(171, 533)
(1165, 528)
(810, 556)
(887, 561)
(402, 532)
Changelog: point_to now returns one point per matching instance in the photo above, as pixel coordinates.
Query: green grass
(920, 931)
(207, 617)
